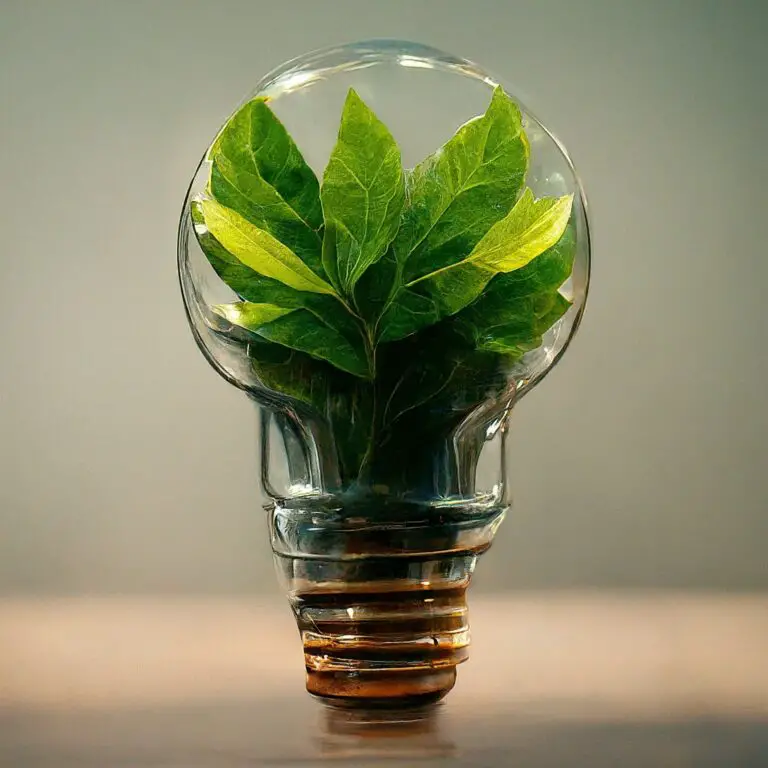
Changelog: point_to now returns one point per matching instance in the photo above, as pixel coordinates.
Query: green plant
(390, 302)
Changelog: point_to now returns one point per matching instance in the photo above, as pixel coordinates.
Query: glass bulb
(387, 482)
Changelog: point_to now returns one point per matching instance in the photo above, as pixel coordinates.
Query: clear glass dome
(336, 434)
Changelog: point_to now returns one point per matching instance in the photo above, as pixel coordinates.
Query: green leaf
(527, 231)
(362, 195)
(291, 373)
(259, 250)
(255, 141)
(452, 199)
(546, 272)
(511, 327)
(465, 287)
(429, 385)
(411, 312)
(260, 204)
(301, 331)
(344, 401)
(517, 308)
(241, 279)
(517, 340)
(459, 192)
(297, 329)
(256, 288)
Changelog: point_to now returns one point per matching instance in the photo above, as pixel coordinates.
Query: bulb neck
(461, 464)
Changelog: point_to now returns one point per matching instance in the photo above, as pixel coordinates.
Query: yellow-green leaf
(527, 231)
(258, 249)
(250, 315)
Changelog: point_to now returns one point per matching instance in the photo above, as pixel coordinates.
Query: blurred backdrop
(128, 466)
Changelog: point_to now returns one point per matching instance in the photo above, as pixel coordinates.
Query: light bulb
(385, 321)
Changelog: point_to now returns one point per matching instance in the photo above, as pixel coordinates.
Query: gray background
(126, 465)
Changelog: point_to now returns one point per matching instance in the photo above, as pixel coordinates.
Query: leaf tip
(527, 196)
(353, 99)
(498, 92)
(354, 103)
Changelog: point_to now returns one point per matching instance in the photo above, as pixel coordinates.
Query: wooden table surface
(573, 679)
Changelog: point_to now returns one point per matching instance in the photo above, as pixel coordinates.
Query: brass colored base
(411, 688)
(383, 649)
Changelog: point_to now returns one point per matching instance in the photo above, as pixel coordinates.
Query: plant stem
(370, 349)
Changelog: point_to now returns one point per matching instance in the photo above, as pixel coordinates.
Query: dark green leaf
(256, 288)
(459, 192)
(556, 307)
(527, 231)
(298, 329)
(246, 283)
(513, 327)
(411, 312)
(255, 141)
(518, 307)
(429, 385)
(291, 373)
(362, 195)
(261, 205)
(452, 199)
(546, 272)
